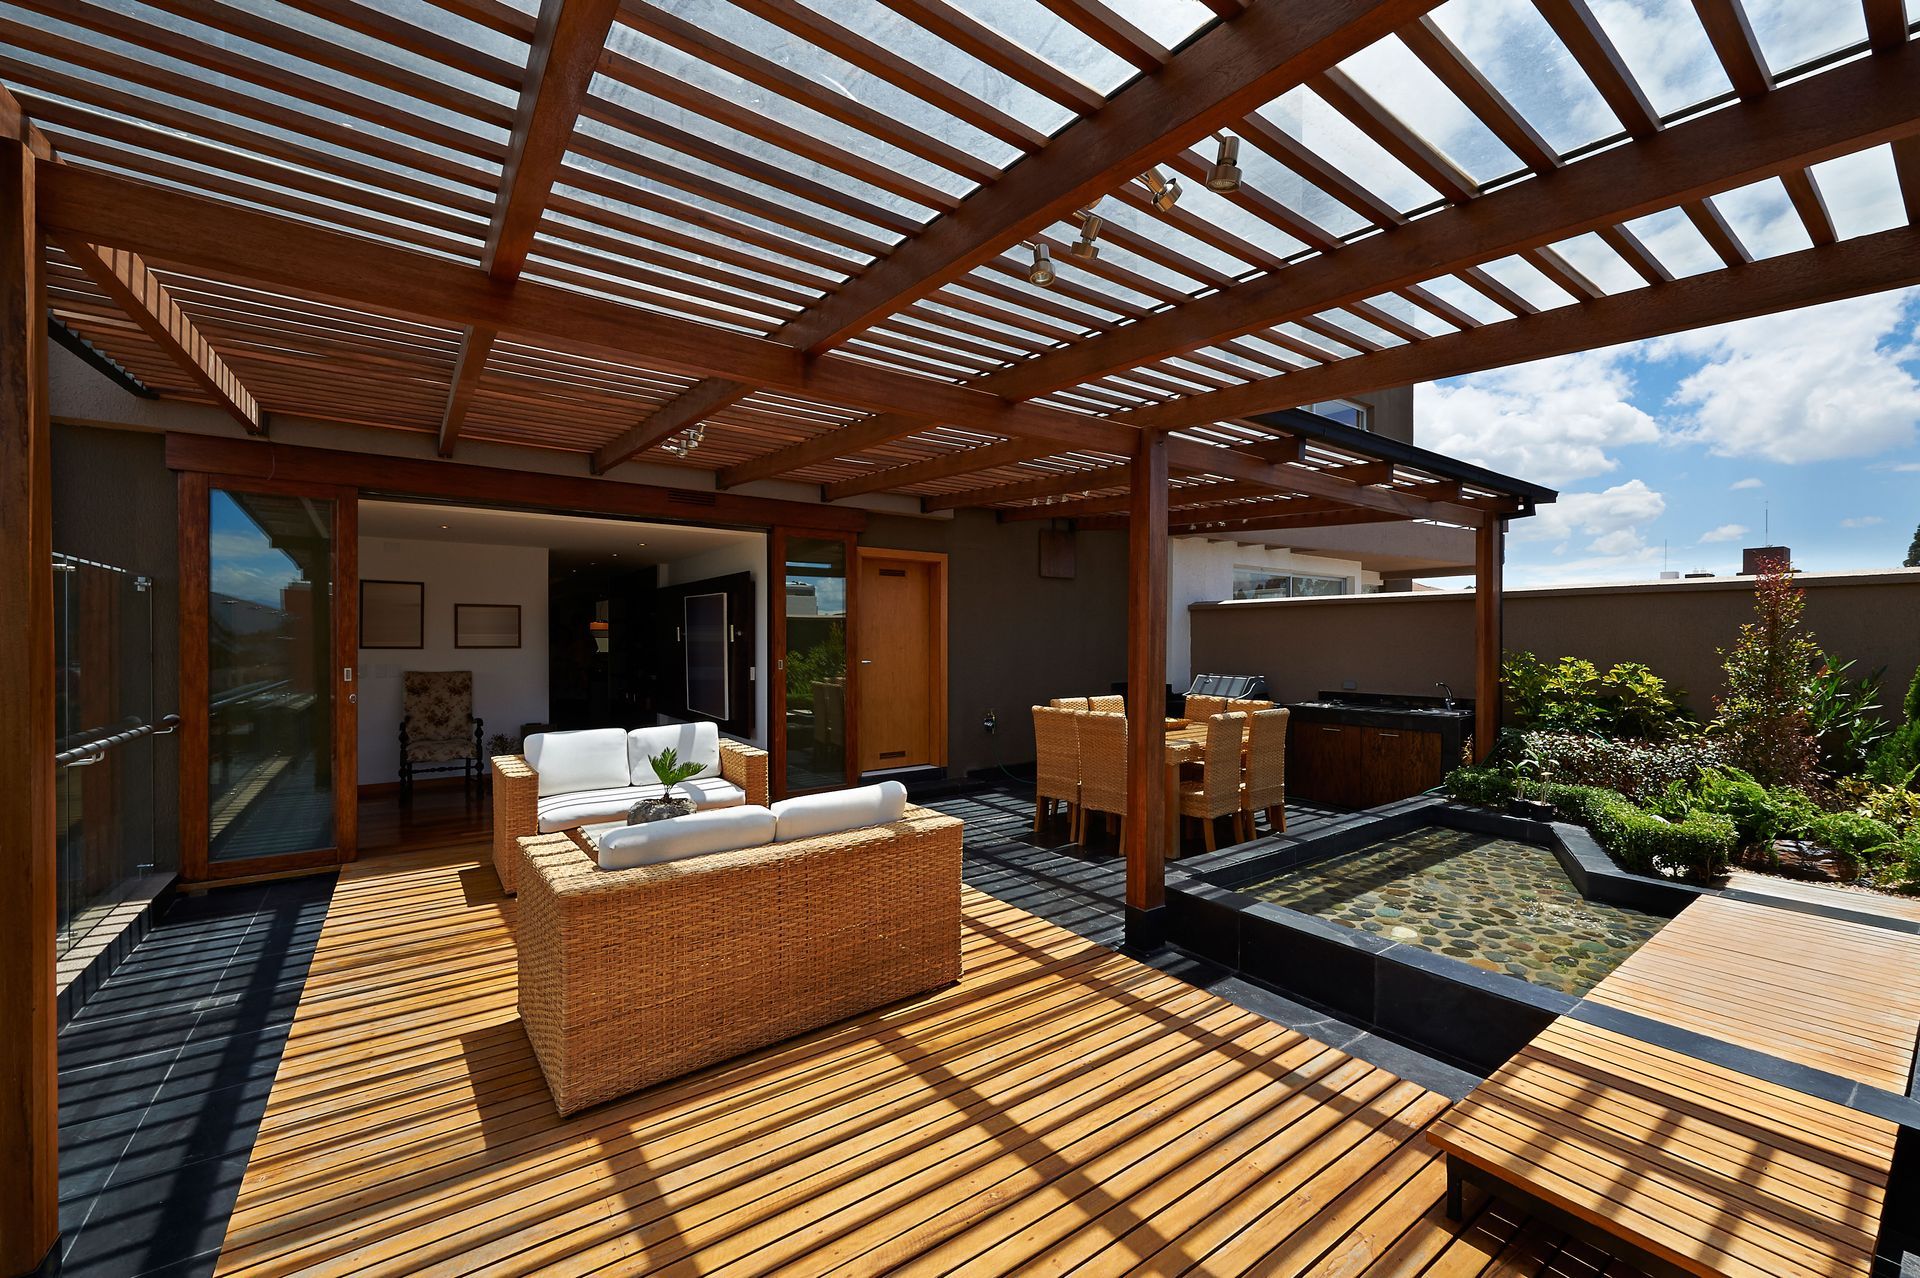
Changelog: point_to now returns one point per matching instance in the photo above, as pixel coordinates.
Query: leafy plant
(1896, 759)
(667, 766)
(1760, 815)
(1845, 718)
(1853, 833)
(1641, 770)
(501, 743)
(1643, 842)
(1574, 695)
(1763, 717)
(1486, 787)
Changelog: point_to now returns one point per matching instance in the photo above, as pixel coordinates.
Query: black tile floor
(165, 1072)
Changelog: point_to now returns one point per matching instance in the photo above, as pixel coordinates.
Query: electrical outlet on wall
(990, 723)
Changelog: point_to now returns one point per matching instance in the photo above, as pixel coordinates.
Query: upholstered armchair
(438, 730)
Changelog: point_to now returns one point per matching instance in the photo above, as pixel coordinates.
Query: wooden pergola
(766, 240)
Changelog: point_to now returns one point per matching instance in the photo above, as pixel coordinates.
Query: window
(1268, 583)
(1358, 416)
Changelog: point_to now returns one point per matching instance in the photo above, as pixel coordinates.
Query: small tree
(1764, 714)
(1913, 552)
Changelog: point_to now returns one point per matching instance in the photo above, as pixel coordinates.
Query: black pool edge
(1431, 1002)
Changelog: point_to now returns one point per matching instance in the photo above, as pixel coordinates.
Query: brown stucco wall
(1404, 643)
(1015, 638)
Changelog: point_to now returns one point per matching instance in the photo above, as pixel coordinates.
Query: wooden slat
(1594, 50)
(1062, 1105)
(475, 346)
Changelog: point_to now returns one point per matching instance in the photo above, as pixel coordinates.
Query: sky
(1679, 452)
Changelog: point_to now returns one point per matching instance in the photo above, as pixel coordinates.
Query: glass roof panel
(1319, 341)
(1048, 37)
(418, 13)
(1222, 212)
(1262, 173)
(1666, 50)
(1388, 71)
(581, 279)
(1516, 50)
(961, 70)
(1159, 231)
(1363, 328)
(1862, 191)
(1671, 236)
(1793, 31)
(1525, 279)
(832, 75)
(1308, 120)
(1407, 313)
(1591, 256)
(731, 270)
(1764, 218)
(1469, 299)
(1171, 22)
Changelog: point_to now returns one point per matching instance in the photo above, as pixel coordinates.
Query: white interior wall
(509, 684)
(1200, 570)
(749, 555)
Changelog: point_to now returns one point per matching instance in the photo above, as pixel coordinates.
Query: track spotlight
(1164, 190)
(1084, 248)
(1041, 272)
(1224, 177)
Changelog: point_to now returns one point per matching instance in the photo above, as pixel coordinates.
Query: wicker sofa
(631, 977)
(597, 774)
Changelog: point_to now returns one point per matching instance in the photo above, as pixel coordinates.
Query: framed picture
(486, 625)
(392, 614)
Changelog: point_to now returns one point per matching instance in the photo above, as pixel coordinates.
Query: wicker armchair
(438, 729)
(1113, 703)
(1249, 707)
(1070, 703)
(1217, 791)
(1266, 784)
(516, 798)
(631, 977)
(1201, 709)
(1103, 768)
(1056, 763)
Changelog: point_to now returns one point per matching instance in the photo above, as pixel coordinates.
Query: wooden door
(900, 647)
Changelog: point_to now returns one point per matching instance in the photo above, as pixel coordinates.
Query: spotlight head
(1224, 177)
(1084, 248)
(1041, 272)
(1165, 192)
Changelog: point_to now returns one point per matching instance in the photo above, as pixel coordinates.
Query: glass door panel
(812, 662)
(270, 689)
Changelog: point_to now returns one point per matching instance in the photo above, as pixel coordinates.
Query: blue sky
(1689, 446)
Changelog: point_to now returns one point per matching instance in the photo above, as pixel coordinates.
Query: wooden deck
(1063, 1107)
(1710, 1170)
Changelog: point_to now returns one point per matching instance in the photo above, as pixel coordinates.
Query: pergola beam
(1080, 479)
(1845, 109)
(476, 344)
(1867, 264)
(692, 406)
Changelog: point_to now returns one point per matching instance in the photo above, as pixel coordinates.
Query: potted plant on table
(671, 771)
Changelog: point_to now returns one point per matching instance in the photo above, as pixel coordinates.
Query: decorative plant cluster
(667, 767)
(1765, 717)
(1641, 770)
(1574, 695)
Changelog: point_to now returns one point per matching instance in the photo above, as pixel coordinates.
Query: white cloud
(1862, 521)
(1725, 532)
(1553, 421)
(1739, 484)
(1803, 386)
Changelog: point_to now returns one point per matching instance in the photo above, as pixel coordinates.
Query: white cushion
(715, 830)
(690, 742)
(707, 792)
(813, 815)
(582, 807)
(594, 759)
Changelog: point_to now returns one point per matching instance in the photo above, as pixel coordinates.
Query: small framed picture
(486, 625)
(392, 614)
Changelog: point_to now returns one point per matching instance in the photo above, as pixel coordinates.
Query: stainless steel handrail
(85, 756)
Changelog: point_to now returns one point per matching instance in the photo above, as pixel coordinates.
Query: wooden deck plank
(1062, 1105)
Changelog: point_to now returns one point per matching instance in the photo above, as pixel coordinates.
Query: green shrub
(1759, 814)
(1642, 842)
(1853, 833)
(1765, 718)
(1641, 770)
(1574, 695)
(1485, 787)
(1845, 716)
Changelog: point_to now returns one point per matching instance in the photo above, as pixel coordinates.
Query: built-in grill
(1233, 687)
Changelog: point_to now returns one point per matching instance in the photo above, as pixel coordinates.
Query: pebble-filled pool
(1495, 903)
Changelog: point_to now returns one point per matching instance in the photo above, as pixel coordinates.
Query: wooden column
(1146, 820)
(29, 1135)
(1489, 553)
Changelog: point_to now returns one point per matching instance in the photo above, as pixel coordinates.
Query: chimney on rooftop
(1754, 559)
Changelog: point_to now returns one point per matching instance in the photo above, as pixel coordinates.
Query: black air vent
(683, 497)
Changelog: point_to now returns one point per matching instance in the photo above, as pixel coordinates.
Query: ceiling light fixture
(1164, 190)
(1041, 272)
(686, 441)
(1084, 248)
(1224, 177)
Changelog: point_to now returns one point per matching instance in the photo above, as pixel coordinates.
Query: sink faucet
(1442, 685)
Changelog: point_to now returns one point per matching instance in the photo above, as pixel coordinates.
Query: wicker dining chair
(1266, 784)
(1103, 768)
(1201, 709)
(1069, 703)
(1056, 763)
(1249, 707)
(1216, 793)
(1113, 703)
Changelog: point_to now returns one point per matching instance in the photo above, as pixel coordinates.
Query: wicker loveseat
(597, 774)
(631, 977)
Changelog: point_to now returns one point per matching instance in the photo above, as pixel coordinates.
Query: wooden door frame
(936, 636)
(777, 539)
(195, 495)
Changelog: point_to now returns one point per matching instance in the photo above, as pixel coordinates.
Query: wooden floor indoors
(1063, 1107)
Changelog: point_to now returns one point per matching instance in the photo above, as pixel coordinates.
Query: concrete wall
(1016, 639)
(1392, 412)
(748, 555)
(1404, 643)
(1200, 570)
(509, 684)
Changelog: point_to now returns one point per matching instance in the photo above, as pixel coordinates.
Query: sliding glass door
(813, 686)
(267, 598)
